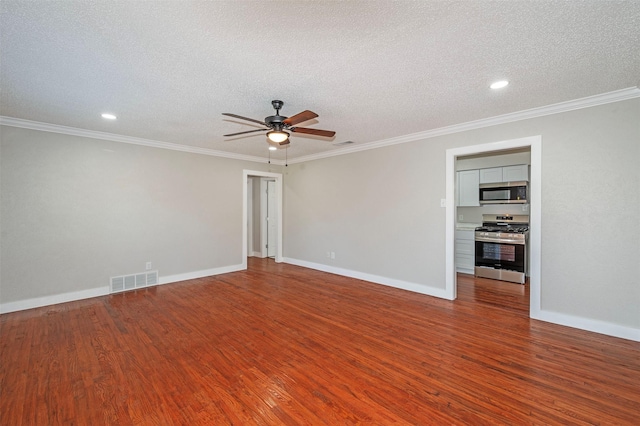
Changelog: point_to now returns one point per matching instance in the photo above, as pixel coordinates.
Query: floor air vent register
(134, 281)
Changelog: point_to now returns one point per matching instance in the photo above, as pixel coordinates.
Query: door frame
(535, 213)
(278, 178)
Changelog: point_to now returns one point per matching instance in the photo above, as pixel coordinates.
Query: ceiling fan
(279, 126)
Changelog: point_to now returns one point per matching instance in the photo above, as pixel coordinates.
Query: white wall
(379, 211)
(76, 211)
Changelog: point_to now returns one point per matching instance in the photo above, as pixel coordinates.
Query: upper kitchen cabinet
(519, 172)
(467, 185)
(515, 173)
(491, 175)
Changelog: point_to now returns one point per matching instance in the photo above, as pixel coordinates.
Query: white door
(272, 220)
(249, 217)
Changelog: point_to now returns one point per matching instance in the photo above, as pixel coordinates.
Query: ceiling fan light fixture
(277, 136)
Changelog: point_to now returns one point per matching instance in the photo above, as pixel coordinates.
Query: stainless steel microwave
(504, 193)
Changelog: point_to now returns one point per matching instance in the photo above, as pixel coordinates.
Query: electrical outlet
(328, 255)
(443, 202)
(460, 217)
(333, 255)
(149, 265)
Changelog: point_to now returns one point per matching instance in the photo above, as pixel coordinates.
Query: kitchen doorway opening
(534, 143)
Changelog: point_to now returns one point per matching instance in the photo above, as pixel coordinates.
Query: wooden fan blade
(244, 118)
(287, 142)
(317, 132)
(299, 118)
(248, 131)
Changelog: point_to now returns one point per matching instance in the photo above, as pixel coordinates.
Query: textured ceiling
(372, 70)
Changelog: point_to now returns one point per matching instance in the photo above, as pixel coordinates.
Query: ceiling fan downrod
(277, 105)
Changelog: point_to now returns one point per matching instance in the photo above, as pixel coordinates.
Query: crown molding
(590, 101)
(74, 131)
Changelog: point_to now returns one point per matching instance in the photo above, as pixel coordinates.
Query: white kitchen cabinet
(491, 175)
(467, 185)
(465, 251)
(515, 173)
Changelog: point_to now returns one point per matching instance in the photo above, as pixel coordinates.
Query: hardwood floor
(283, 345)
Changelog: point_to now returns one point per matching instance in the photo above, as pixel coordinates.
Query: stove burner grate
(511, 229)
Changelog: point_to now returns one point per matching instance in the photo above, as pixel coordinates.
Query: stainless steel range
(501, 247)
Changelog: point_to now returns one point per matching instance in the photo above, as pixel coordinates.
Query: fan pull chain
(286, 156)
(269, 156)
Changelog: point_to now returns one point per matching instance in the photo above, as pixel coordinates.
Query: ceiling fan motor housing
(275, 121)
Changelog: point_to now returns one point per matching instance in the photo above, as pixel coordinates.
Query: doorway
(535, 145)
(274, 181)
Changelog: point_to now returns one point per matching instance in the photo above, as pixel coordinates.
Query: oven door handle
(499, 240)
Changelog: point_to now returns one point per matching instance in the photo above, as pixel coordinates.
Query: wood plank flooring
(283, 345)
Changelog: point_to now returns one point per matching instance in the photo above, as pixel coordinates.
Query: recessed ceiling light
(499, 84)
(109, 116)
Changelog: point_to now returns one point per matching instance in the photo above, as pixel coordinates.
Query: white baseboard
(38, 302)
(199, 274)
(255, 254)
(587, 324)
(601, 327)
(391, 282)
